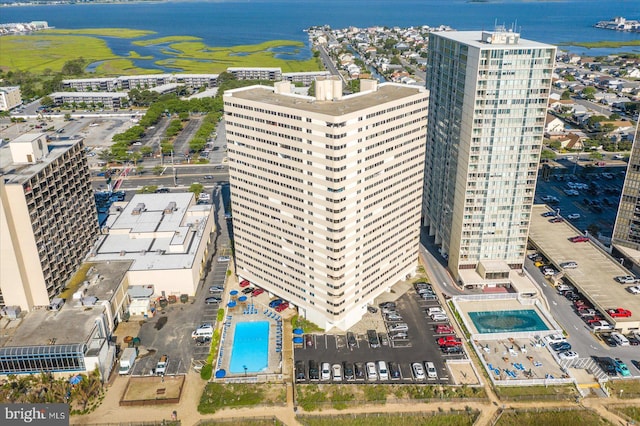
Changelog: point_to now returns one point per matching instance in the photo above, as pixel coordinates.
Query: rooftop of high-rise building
(336, 105)
(498, 38)
(28, 154)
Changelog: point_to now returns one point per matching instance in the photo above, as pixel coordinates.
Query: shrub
(206, 372)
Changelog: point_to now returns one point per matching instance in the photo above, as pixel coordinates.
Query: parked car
(554, 338)
(621, 367)
(449, 341)
(244, 283)
(359, 370)
(634, 289)
(435, 310)
(579, 239)
(444, 329)
(619, 313)
(384, 340)
(573, 216)
(626, 279)
(300, 371)
(561, 346)
(393, 317)
(439, 317)
(372, 338)
(397, 335)
(556, 219)
(548, 271)
(429, 296)
(212, 300)
(351, 339)
(314, 371)
(633, 341)
(601, 325)
(223, 259)
(432, 373)
(275, 303)
(548, 214)
(257, 292)
(281, 307)
(418, 371)
(452, 349)
(248, 290)
(349, 373)
(399, 327)
(608, 340)
(336, 372)
(608, 366)
(391, 305)
(325, 371)
(215, 289)
(569, 265)
(568, 355)
(372, 374)
(394, 370)
(383, 372)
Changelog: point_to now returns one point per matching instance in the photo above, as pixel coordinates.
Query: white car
(548, 272)
(223, 259)
(435, 310)
(336, 370)
(634, 289)
(432, 373)
(418, 371)
(439, 317)
(569, 265)
(325, 372)
(399, 327)
(568, 355)
(372, 374)
(382, 370)
(554, 338)
(573, 216)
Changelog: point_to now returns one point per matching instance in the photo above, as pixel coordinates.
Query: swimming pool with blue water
(250, 347)
(505, 321)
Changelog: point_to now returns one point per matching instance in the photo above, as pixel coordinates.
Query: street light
(245, 370)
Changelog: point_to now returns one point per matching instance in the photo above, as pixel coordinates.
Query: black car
(636, 364)
(389, 305)
(359, 370)
(212, 300)
(452, 349)
(202, 340)
(372, 337)
(561, 346)
(351, 340)
(394, 370)
(248, 290)
(608, 365)
(314, 371)
(300, 373)
(347, 371)
(633, 341)
(606, 338)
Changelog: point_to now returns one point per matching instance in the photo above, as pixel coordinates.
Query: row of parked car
(360, 371)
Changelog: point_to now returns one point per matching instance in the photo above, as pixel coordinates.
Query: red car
(444, 329)
(580, 239)
(281, 307)
(244, 283)
(556, 220)
(257, 292)
(618, 312)
(449, 341)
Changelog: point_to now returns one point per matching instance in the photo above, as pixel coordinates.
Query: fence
(501, 411)
(239, 420)
(163, 422)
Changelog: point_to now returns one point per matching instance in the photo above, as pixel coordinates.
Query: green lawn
(235, 395)
(555, 418)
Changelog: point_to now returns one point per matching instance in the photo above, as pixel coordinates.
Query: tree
(566, 95)
(47, 101)
(547, 154)
(67, 117)
(157, 170)
(595, 155)
(614, 116)
(555, 144)
(589, 92)
(146, 151)
(196, 188)
(139, 169)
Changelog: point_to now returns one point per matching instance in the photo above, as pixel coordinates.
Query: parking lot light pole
(245, 370)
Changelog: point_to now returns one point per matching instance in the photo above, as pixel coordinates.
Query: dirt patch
(153, 390)
(463, 373)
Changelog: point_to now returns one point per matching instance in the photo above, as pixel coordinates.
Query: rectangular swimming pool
(250, 351)
(505, 321)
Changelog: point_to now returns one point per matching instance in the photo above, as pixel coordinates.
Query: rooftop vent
(138, 209)
(171, 207)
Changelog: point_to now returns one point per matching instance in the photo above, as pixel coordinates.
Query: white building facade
(489, 93)
(326, 192)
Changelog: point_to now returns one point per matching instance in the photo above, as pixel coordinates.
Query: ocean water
(236, 22)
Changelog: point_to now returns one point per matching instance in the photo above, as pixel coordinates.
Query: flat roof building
(488, 102)
(10, 97)
(166, 236)
(326, 192)
(48, 219)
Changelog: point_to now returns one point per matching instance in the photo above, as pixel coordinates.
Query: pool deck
(245, 313)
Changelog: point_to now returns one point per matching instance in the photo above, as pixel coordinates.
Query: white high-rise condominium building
(326, 192)
(488, 101)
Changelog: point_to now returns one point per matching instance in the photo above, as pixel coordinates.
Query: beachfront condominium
(48, 219)
(488, 101)
(326, 192)
(626, 232)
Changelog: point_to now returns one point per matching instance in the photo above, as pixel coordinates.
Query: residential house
(553, 125)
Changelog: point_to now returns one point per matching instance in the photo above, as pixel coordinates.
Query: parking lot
(418, 345)
(592, 194)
